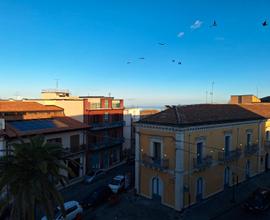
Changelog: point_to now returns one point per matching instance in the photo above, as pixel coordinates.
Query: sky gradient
(87, 44)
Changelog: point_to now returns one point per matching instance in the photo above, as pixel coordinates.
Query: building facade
(186, 154)
(22, 120)
(105, 117)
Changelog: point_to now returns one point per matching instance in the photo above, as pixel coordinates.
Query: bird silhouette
(141, 58)
(173, 61)
(214, 24)
(264, 23)
(162, 44)
(128, 62)
(179, 63)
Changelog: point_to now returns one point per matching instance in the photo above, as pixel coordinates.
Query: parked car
(94, 175)
(259, 200)
(117, 184)
(96, 198)
(73, 211)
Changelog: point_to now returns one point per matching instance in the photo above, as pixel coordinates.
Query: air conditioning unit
(2, 124)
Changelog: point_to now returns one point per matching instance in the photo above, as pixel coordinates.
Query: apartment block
(186, 154)
(105, 117)
(22, 120)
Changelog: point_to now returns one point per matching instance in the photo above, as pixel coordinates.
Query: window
(106, 117)
(55, 140)
(199, 152)
(157, 151)
(249, 139)
(239, 99)
(227, 145)
(106, 103)
(68, 211)
(95, 105)
(267, 136)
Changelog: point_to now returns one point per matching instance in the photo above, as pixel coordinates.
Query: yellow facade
(244, 161)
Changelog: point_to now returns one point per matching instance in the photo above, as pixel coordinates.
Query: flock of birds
(214, 24)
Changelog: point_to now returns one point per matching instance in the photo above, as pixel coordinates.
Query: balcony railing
(105, 125)
(152, 162)
(203, 163)
(230, 155)
(74, 150)
(251, 149)
(107, 142)
(267, 144)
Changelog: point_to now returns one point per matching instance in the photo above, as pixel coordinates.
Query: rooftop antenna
(212, 92)
(56, 83)
(109, 94)
(206, 96)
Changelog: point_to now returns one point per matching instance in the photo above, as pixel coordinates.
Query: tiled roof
(62, 124)
(262, 109)
(20, 106)
(265, 99)
(201, 114)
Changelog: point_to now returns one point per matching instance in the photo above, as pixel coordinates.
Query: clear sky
(87, 44)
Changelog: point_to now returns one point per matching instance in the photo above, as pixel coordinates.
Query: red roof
(262, 109)
(21, 106)
(201, 114)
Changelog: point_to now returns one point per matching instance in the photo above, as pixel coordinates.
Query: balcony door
(199, 152)
(247, 172)
(157, 188)
(227, 145)
(248, 139)
(199, 191)
(157, 151)
(226, 177)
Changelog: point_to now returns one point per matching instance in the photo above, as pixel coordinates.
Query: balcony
(74, 150)
(107, 142)
(267, 144)
(106, 125)
(251, 149)
(151, 162)
(203, 164)
(230, 155)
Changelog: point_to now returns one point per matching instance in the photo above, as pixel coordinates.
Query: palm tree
(30, 171)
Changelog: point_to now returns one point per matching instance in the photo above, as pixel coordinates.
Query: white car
(94, 175)
(73, 211)
(117, 183)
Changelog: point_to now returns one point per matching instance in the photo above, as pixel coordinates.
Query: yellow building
(185, 154)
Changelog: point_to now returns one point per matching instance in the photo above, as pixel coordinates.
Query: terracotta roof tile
(20, 106)
(262, 109)
(200, 114)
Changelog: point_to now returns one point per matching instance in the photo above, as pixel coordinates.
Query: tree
(30, 171)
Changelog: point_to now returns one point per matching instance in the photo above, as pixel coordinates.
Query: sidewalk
(221, 203)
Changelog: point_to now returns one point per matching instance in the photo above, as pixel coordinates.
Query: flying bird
(173, 61)
(179, 63)
(162, 44)
(128, 62)
(141, 58)
(214, 24)
(264, 23)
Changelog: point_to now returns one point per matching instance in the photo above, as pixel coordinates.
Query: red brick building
(105, 139)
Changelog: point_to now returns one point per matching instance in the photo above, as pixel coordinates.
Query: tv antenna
(56, 83)
(212, 92)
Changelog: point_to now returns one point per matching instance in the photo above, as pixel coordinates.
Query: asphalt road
(81, 190)
(238, 213)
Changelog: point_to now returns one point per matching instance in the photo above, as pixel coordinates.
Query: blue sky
(87, 44)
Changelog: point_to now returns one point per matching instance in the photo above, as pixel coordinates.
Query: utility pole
(206, 97)
(56, 83)
(212, 92)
